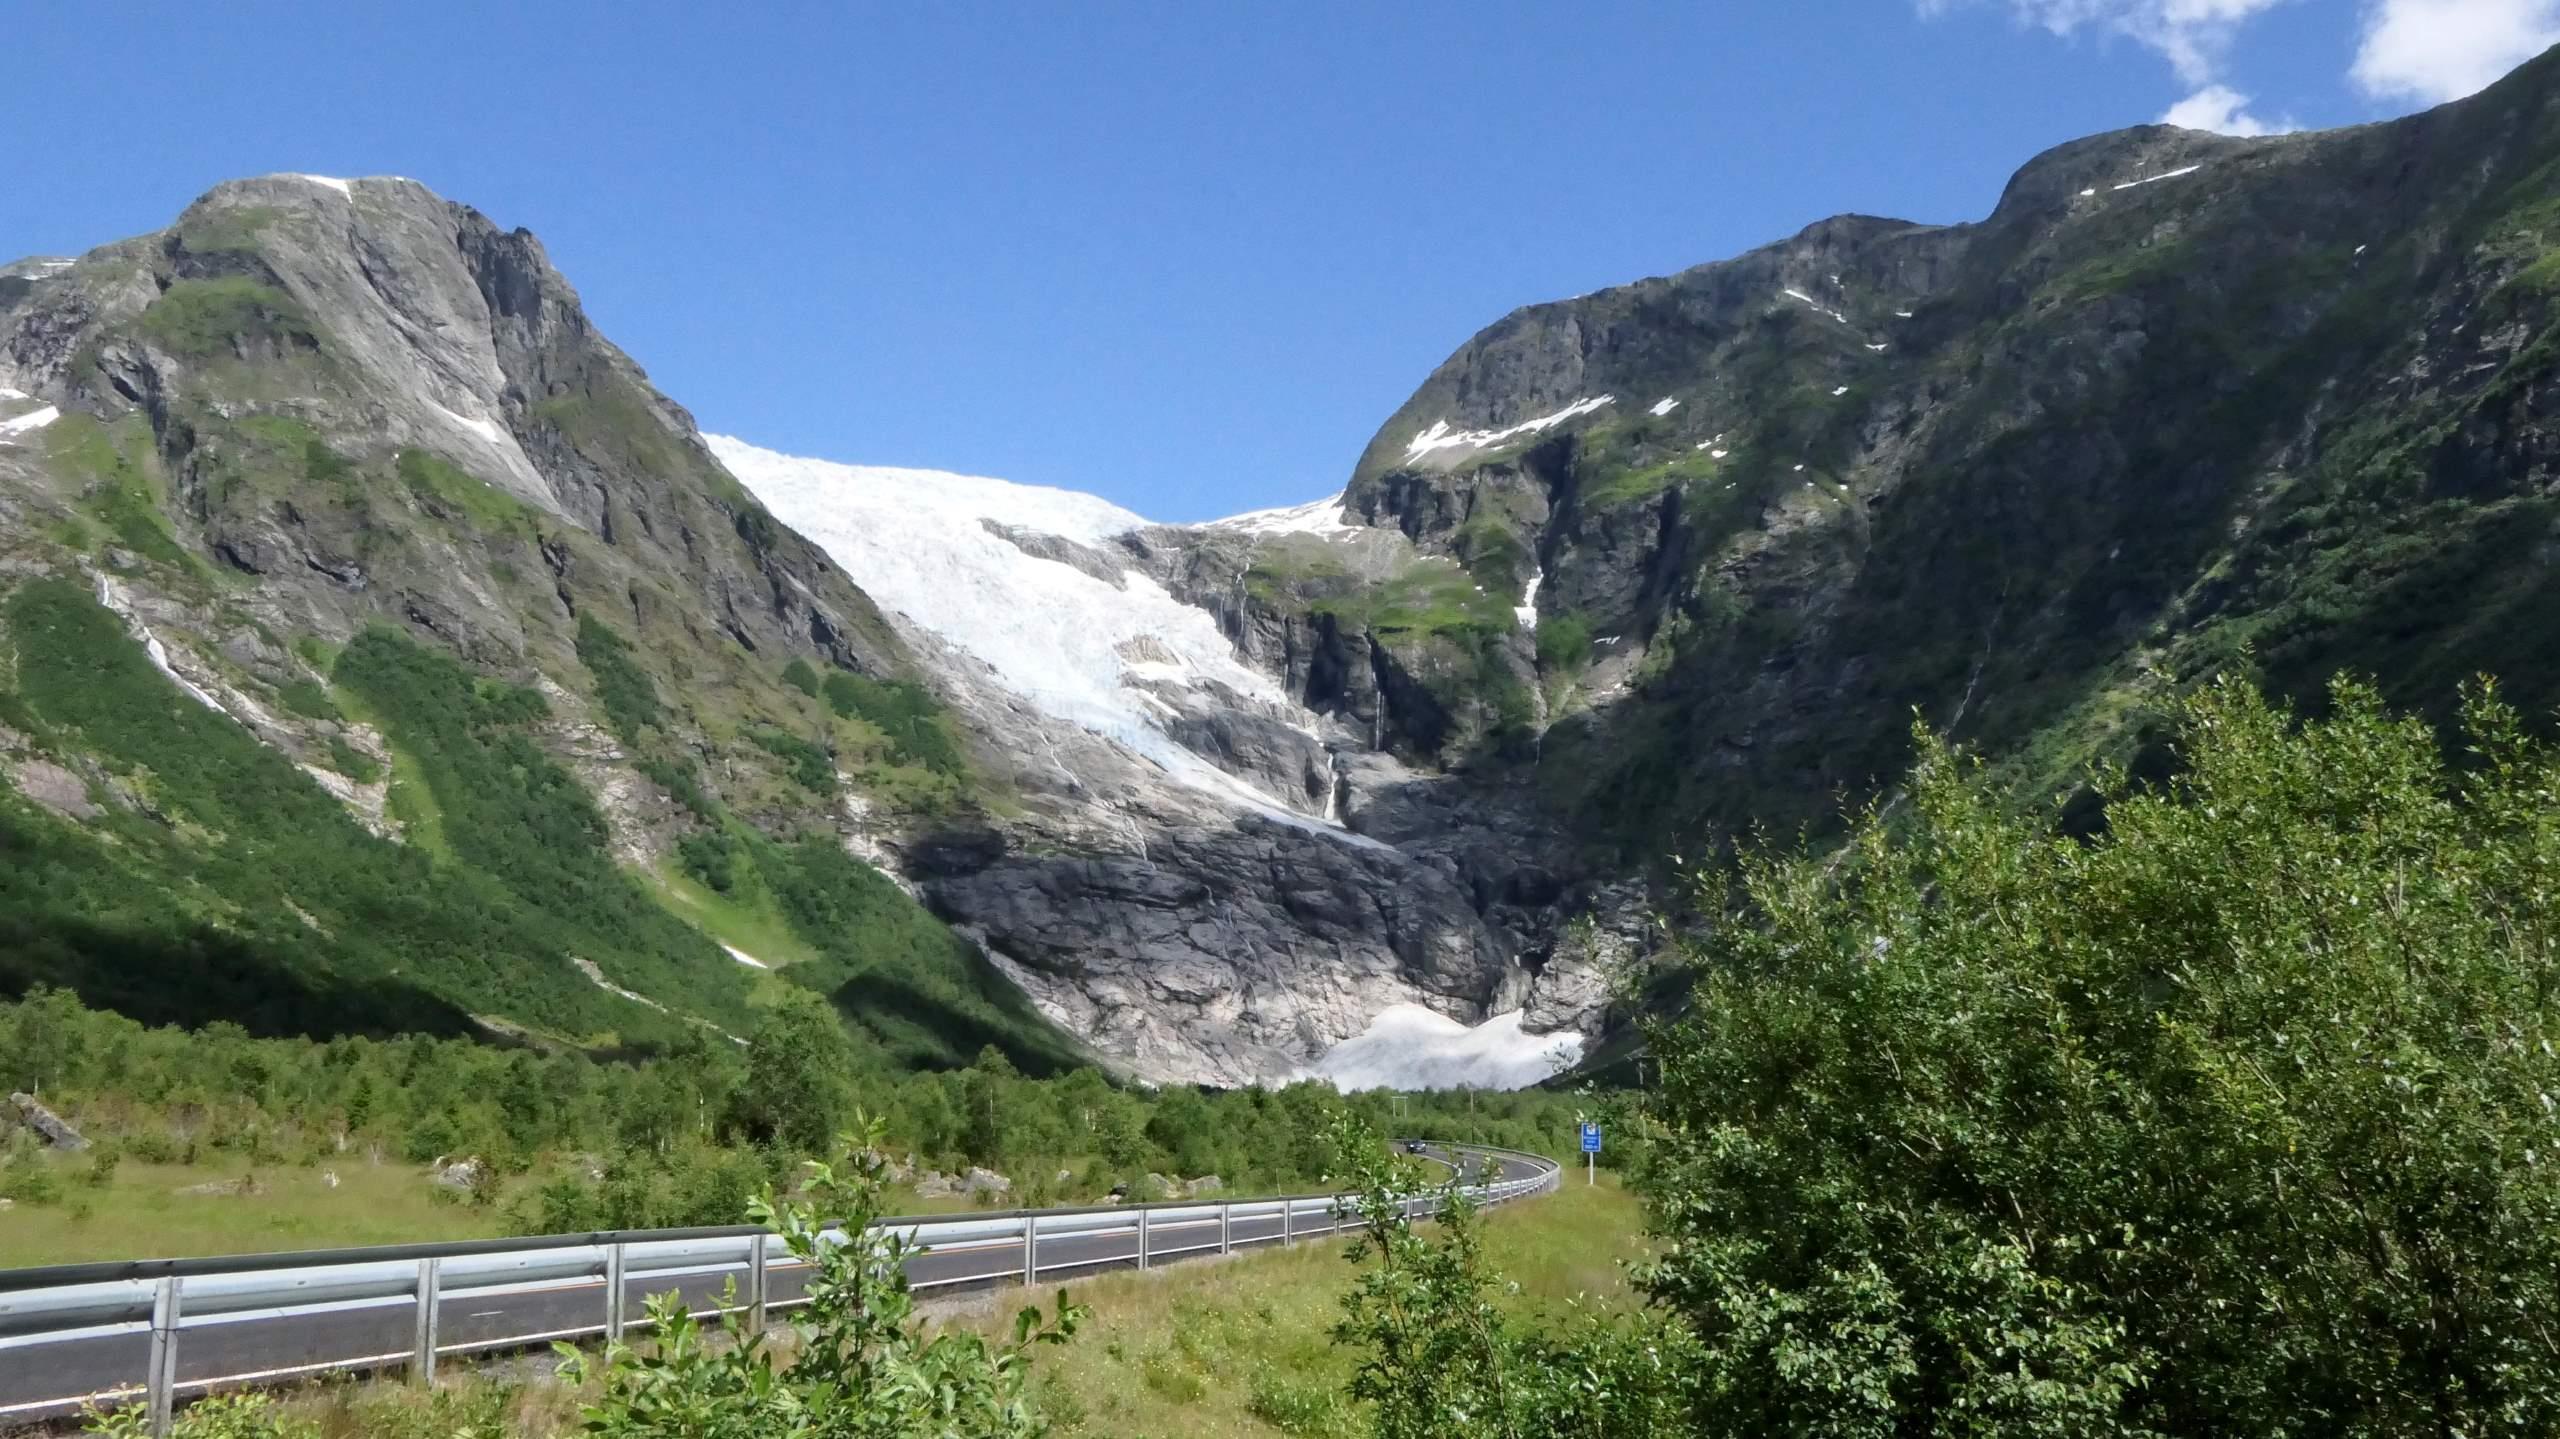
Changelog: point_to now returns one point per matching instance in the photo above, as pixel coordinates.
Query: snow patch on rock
(1441, 437)
(1818, 307)
(30, 422)
(1316, 517)
(2163, 175)
(485, 429)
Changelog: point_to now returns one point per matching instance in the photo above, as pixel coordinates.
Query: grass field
(1243, 1348)
(148, 1211)
(143, 1212)
(1203, 1351)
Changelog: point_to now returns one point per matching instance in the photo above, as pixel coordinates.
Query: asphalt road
(55, 1377)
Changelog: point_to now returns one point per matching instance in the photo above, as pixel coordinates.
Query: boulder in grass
(979, 1182)
(464, 1174)
(56, 1130)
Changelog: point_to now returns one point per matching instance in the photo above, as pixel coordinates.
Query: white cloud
(2224, 111)
(2437, 50)
(2192, 35)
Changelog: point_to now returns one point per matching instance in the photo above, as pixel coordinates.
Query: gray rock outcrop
(55, 1130)
(462, 1174)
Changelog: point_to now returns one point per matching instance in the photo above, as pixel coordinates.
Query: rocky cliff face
(291, 460)
(2181, 403)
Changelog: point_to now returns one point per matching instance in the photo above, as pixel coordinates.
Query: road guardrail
(109, 1333)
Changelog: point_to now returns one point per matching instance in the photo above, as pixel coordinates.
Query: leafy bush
(801, 677)
(680, 779)
(213, 317)
(1564, 643)
(347, 760)
(630, 701)
(710, 855)
(812, 768)
(905, 712)
(862, 1367)
(217, 1416)
(308, 700)
(1440, 1360)
(2237, 1119)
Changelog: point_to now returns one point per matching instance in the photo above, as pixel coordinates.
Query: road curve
(47, 1376)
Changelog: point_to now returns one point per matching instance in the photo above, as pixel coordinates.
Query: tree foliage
(1440, 1359)
(862, 1366)
(2239, 1119)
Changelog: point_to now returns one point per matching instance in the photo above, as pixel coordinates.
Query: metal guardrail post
(1226, 1244)
(1030, 1250)
(1288, 1222)
(1142, 1238)
(161, 1383)
(758, 1288)
(422, 1359)
(613, 1291)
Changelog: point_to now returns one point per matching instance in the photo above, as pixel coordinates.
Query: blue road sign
(1591, 1139)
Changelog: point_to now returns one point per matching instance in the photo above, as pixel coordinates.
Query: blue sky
(1185, 256)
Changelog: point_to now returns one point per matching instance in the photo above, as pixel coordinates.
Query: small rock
(932, 1184)
(1066, 1176)
(329, 1177)
(1205, 1184)
(1159, 1187)
(984, 1181)
(463, 1174)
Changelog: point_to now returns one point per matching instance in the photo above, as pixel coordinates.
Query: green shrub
(680, 779)
(905, 712)
(2233, 1120)
(217, 1416)
(1564, 643)
(1440, 1360)
(812, 768)
(801, 677)
(308, 700)
(862, 1368)
(347, 760)
(630, 701)
(710, 855)
(212, 317)
(29, 1179)
(1296, 1406)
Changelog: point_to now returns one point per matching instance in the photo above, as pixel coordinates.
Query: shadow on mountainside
(197, 976)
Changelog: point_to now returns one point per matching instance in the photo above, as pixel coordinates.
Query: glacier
(1104, 649)
(1077, 647)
